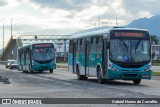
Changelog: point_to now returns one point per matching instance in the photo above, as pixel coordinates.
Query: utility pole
(116, 22)
(98, 13)
(11, 27)
(3, 38)
(95, 26)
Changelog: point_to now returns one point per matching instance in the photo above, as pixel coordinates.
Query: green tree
(154, 39)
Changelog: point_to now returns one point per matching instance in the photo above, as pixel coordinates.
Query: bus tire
(30, 68)
(31, 71)
(99, 76)
(24, 71)
(79, 77)
(137, 81)
(51, 70)
(84, 77)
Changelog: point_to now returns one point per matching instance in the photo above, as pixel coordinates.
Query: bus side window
(70, 45)
(80, 41)
(77, 41)
(94, 40)
(91, 40)
(97, 39)
(82, 45)
(99, 44)
(78, 45)
(93, 45)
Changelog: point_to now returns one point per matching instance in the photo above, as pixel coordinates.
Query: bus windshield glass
(130, 50)
(43, 53)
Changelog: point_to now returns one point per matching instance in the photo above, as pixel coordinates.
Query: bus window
(83, 41)
(70, 42)
(93, 46)
(97, 40)
(100, 39)
(70, 45)
(92, 40)
(77, 41)
(80, 41)
(99, 44)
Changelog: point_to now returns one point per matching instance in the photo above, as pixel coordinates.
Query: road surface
(63, 84)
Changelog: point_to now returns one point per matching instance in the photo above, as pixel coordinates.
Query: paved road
(62, 84)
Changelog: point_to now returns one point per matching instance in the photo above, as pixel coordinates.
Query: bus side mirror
(108, 45)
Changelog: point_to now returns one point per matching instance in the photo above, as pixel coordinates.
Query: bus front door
(87, 50)
(74, 58)
(105, 59)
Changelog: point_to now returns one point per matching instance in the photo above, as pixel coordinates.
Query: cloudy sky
(67, 16)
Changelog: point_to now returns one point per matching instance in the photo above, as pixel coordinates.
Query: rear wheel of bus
(51, 70)
(99, 76)
(30, 69)
(137, 81)
(80, 77)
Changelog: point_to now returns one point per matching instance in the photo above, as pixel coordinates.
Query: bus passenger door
(87, 50)
(74, 58)
(24, 60)
(105, 59)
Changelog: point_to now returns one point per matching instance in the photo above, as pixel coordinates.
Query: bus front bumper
(46, 66)
(129, 75)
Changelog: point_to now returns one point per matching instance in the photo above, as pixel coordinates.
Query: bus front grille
(130, 70)
(130, 75)
(44, 67)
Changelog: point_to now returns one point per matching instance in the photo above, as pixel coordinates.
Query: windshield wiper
(125, 44)
(47, 50)
(137, 45)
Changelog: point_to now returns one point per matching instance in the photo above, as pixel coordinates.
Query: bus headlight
(33, 63)
(147, 68)
(113, 68)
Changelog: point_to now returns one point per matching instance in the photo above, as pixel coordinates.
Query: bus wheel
(80, 77)
(100, 79)
(30, 69)
(24, 71)
(137, 81)
(84, 77)
(51, 70)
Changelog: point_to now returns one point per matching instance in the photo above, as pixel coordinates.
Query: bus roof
(99, 31)
(27, 46)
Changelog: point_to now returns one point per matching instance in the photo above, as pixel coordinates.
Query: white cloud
(68, 16)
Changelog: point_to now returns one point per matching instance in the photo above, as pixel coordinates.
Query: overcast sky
(67, 16)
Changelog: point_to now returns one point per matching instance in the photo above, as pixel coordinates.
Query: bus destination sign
(42, 45)
(128, 34)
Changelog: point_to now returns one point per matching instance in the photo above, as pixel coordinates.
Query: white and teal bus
(37, 57)
(114, 53)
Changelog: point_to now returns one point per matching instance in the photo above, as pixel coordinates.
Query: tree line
(154, 39)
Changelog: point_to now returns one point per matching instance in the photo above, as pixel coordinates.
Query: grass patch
(154, 73)
(62, 62)
(156, 64)
(60, 66)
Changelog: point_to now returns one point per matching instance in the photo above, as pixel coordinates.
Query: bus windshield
(43, 54)
(127, 50)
